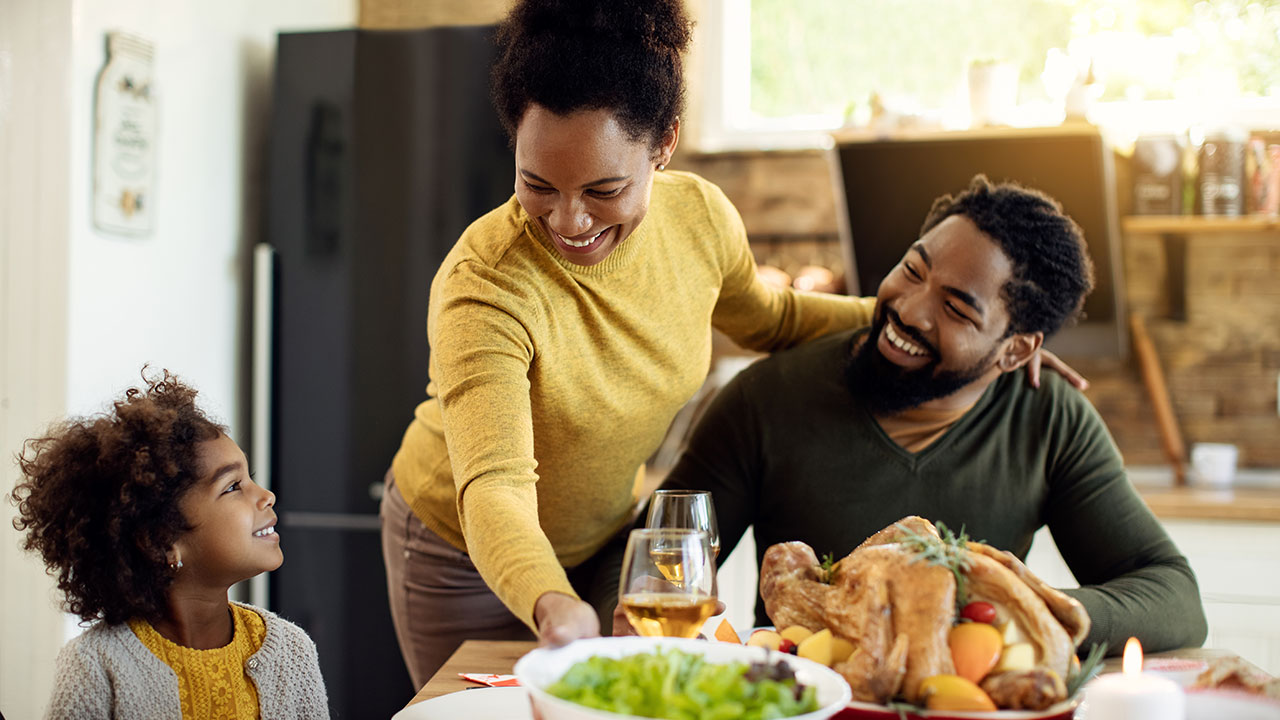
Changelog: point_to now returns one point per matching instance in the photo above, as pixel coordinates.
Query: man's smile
(902, 343)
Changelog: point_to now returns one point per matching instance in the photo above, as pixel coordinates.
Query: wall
(35, 37)
(176, 299)
(1221, 363)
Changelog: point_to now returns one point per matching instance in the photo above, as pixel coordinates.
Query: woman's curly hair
(99, 498)
(617, 55)
(1052, 271)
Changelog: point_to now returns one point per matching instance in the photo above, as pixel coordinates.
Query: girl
(147, 516)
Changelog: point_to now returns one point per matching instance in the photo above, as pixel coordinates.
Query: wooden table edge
(473, 656)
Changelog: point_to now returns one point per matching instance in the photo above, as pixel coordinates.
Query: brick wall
(1221, 363)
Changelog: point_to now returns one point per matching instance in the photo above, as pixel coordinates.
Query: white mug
(1213, 464)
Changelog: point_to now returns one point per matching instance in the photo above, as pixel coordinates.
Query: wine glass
(690, 509)
(668, 582)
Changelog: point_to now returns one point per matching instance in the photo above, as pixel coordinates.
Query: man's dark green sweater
(786, 448)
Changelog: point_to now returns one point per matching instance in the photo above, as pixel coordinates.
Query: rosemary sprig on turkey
(947, 550)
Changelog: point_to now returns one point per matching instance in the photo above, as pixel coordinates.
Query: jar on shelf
(1221, 181)
(1157, 175)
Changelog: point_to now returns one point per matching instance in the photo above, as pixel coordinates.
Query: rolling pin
(1158, 391)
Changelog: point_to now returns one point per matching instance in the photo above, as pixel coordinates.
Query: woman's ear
(174, 557)
(669, 142)
(1018, 350)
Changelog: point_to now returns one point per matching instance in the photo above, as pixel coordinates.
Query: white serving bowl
(540, 668)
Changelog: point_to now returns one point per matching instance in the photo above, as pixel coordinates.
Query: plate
(1180, 670)
(1237, 705)
(869, 711)
(481, 703)
(543, 666)
(1212, 704)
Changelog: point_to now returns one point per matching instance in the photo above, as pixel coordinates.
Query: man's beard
(887, 389)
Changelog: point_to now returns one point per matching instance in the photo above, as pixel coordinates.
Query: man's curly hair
(1052, 272)
(99, 498)
(617, 55)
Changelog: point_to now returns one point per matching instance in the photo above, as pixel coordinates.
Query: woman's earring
(661, 167)
(176, 565)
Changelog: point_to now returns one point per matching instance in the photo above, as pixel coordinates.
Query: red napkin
(491, 680)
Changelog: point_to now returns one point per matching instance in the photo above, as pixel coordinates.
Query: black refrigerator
(383, 147)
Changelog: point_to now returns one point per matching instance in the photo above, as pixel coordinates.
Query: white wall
(83, 310)
(174, 299)
(34, 115)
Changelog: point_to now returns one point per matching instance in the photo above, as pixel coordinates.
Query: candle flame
(1132, 663)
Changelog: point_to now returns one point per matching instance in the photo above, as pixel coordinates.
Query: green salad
(683, 686)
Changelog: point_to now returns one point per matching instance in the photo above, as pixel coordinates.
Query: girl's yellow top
(212, 683)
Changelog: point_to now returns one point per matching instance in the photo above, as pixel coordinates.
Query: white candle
(1133, 694)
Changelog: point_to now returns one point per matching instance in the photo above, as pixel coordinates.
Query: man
(922, 414)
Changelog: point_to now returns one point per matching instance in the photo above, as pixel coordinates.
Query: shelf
(1189, 224)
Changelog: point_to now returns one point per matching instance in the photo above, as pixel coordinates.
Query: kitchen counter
(1246, 504)
(1253, 498)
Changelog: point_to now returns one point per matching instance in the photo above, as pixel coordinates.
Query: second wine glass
(689, 509)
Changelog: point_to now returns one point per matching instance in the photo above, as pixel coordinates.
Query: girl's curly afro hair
(99, 498)
(618, 55)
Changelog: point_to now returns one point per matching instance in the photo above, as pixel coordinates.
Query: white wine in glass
(668, 586)
(668, 614)
(670, 563)
(690, 509)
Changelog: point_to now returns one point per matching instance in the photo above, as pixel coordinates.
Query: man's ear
(1018, 350)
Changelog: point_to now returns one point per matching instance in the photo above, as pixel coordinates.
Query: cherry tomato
(979, 611)
(787, 646)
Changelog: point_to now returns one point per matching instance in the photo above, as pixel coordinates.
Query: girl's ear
(1018, 350)
(174, 557)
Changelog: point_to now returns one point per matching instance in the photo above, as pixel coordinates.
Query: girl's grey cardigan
(108, 673)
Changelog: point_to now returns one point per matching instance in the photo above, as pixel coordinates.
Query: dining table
(499, 657)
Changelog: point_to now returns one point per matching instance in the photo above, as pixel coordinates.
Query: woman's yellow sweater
(551, 383)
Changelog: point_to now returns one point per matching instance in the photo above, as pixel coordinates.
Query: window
(785, 71)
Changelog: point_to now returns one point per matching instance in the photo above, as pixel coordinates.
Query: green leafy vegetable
(827, 573)
(682, 686)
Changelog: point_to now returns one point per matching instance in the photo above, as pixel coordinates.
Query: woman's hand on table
(1046, 359)
(561, 619)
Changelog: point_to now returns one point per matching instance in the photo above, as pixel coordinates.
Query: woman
(567, 328)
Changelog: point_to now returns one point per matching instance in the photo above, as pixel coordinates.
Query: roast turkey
(897, 608)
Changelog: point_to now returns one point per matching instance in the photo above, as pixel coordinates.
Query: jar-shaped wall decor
(124, 138)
